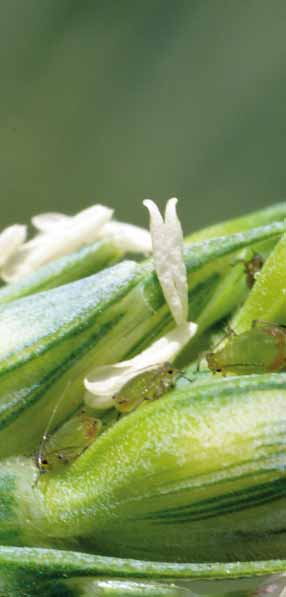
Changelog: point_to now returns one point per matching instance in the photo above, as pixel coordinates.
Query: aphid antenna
(205, 353)
(248, 257)
(48, 426)
(228, 331)
(60, 453)
(244, 258)
(151, 367)
(263, 322)
(54, 412)
(186, 377)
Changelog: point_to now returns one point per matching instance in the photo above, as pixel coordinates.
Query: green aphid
(261, 349)
(148, 385)
(68, 442)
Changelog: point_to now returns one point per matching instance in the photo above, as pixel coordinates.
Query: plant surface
(185, 483)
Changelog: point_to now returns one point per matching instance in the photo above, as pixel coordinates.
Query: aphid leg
(252, 267)
(65, 457)
(244, 260)
(181, 374)
(162, 388)
(190, 379)
(238, 261)
(273, 328)
(264, 324)
(37, 479)
(261, 323)
(40, 464)
(202, 356)
(229, 331)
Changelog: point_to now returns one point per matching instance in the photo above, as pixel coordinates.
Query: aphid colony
(78, 433)
(261, 349)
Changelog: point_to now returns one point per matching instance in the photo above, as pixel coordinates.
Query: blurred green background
(116, 101)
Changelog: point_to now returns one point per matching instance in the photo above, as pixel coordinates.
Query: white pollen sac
(47, 221)
(168, 254)
(127, 237)
(59, 235)
(104, 382)
(11, 239)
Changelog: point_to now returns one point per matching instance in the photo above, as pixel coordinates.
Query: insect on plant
(261, 349)
(150, 385)
(251, 268)
(68, 442)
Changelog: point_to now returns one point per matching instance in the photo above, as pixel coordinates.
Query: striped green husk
(199, 476)
(51, 339)
(82, 263)
(46, 562)
(274, 213)
(33, 572)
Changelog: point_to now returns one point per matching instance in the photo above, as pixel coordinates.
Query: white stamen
(59, 236)
(168, 253)
(127, 237)
(46, 222)
(11, 239)
(106, 381)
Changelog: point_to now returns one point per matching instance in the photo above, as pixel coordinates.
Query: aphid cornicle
(148, 385)
(261, 349)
